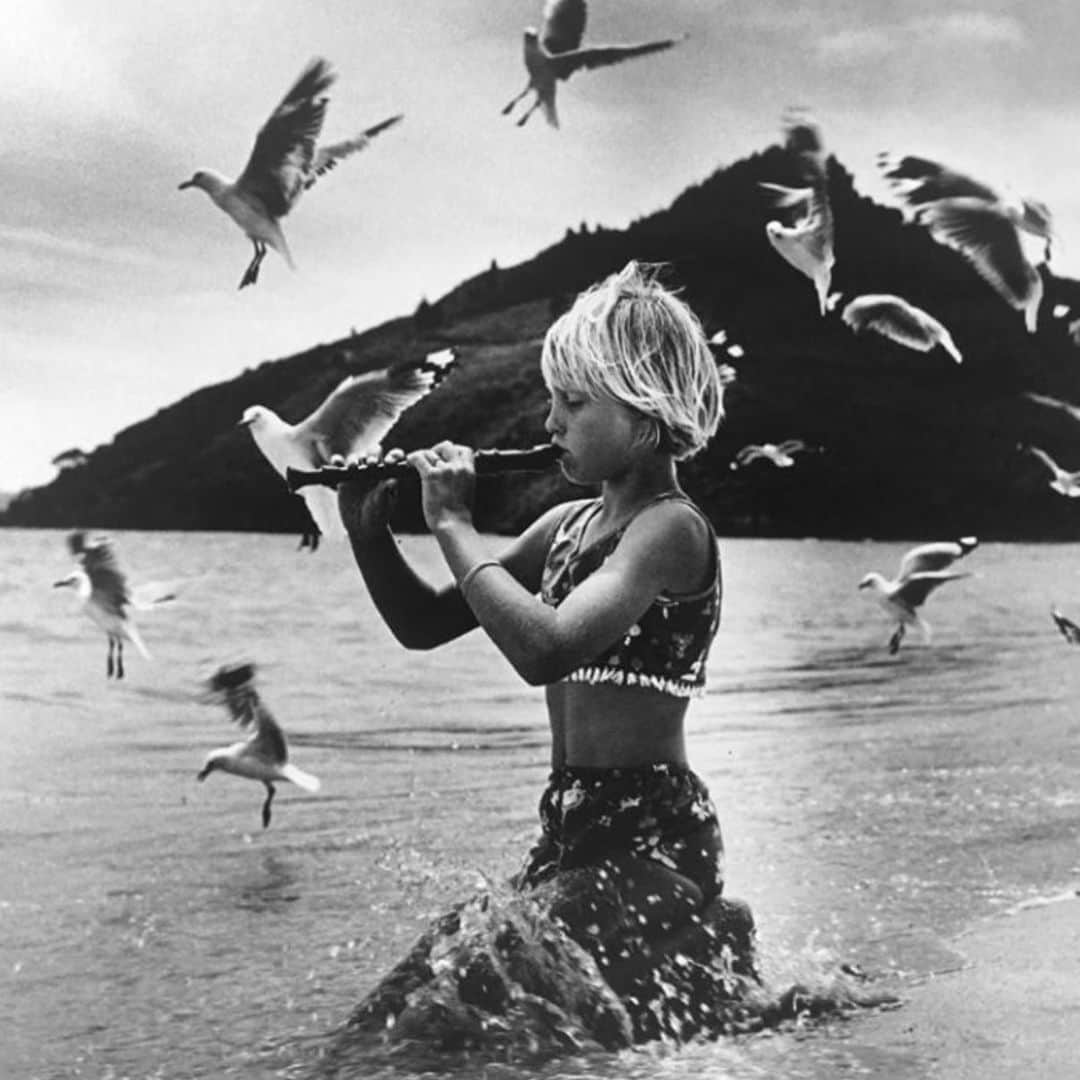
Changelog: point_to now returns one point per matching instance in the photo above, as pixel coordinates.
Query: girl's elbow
(539, 668)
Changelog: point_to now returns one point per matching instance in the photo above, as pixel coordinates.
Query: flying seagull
(263, 755)
(351, 422)
(283, 164)
(555, 52)
(1063, 482)
(807, 241)
(780, 454)
(900, 321)
(975, 220)
(921, 571)
(1069, 630)
(107, 598)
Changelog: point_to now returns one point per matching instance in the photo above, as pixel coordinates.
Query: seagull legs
(266, 805)
(115, 666)
(894, 641)
(251, 274)
(510, 104)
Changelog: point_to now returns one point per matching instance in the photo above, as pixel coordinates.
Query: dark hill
(912, 444)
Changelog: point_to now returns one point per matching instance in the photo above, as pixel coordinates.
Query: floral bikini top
(667, 647)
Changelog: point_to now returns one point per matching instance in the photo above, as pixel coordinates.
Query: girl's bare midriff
(610, 726)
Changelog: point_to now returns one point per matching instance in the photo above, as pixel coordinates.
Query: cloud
(971, 27)
(868, 44)
(856, 46)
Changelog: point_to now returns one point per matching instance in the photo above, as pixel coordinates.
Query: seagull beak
(245, 421)
(62, 582)
(204, 772)
(186, 184)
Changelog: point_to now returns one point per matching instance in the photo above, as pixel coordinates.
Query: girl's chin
(569, 471)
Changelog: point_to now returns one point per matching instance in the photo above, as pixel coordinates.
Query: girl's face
(600, 437)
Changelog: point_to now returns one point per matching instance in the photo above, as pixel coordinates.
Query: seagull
(781, 455)
(974, 220)
(922, 570)
(1069, 630)
(351, 422)
(107, 598)
(283, 164)
(555, 52)
(263, 755)
(1064, 483)
(902, 322)
(806, 243)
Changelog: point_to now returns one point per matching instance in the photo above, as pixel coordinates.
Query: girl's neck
(625, 494)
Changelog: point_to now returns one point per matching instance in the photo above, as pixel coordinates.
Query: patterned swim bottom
(661, 813)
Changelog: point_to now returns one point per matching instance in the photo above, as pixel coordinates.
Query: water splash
(497, 979)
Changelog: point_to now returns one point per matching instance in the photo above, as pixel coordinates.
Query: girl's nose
(551, 425)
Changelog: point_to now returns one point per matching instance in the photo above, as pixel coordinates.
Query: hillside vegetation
(911, 444)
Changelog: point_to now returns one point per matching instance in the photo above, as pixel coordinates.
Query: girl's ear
(649, 434)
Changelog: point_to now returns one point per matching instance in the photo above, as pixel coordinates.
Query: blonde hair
(630, 339)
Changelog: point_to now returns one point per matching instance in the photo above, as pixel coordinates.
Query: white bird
(284, 163)
(921, 571)
(1063, 482)
(555, 52)
(781, 455)
(807, 242)
(264, 754)
(978, 223)
(107, 598)
(351, 422)
(900, 321)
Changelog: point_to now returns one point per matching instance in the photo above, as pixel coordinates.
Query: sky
(118, 292)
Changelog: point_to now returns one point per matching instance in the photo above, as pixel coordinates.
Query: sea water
(872, 805)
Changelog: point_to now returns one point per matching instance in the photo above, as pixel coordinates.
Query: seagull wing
(358, 414)
(563, 25)
(327, 157)
(281, 160)
(566, 63)
(915, 589)
(791, 446)
(801, 198)
(1053, 403)
(804, 141)
(108, 585)
(1049, 462)
(233, 685)
(988, 240)
(900, 321)
(933, 557)
(920, 180)
(749, 453)
(269, 740)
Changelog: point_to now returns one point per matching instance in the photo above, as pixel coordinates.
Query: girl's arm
(418, 614)
(666, 548)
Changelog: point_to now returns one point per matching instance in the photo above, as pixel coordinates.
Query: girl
(611, 604)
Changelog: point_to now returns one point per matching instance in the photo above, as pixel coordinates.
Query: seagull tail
(949, 346)
(135, 638)
(300, 778)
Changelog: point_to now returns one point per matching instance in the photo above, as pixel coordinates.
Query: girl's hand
(448, 481)
(365, 512)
